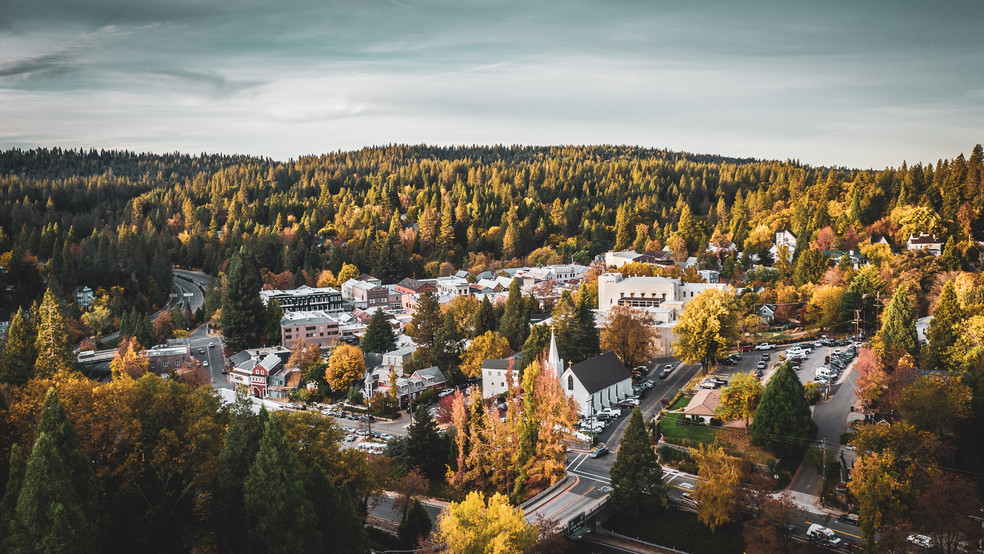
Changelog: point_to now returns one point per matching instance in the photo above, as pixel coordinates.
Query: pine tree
(424, 445)
(53, 348)
(8, 506)
(898, 330)
(55, 506)
(943, 333)
(783, 423)
(637, 477)
(484, 319)
(416, 525)
(334, 515)
(242, 438)
(427, 319)
(379, 336)
(590, 340)
(515, 324)
(19, 352)
(951, 256)
(537, 341)
(281, 517)
(447, 345)
(242, 310)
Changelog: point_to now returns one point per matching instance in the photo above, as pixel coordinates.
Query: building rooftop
(600, 372)
(308, 318)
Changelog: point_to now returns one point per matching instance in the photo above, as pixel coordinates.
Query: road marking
(837, 531)
(596, 479)
(565, 506)
(594, 476)
(576, 459)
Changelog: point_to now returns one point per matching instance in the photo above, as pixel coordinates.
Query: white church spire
(554, 361)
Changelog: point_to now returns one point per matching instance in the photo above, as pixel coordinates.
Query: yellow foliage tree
(327, 279)
(304, 355)
(474, 526)
(630, 334)
(347, 272)
(740, 398)
(880, 489)
(345, 366)
(489, 346)
(130, 360)
(720, 476)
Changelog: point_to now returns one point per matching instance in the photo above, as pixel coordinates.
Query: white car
(920, 540)
(205, 363)
(819, 533)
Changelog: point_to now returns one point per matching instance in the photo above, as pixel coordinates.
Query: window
(570, 382)
(164, 364)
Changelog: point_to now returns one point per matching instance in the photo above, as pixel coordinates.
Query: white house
(787, 239)
(646, 292)
(929, 243)
(496, 375)
(84, 296)
(597, 382)
(397, 359)
(702, 405)
(452, 286)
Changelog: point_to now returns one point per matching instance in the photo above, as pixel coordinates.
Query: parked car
(599, 452)
(920, 540)
(819, 534)
(664, 374)
(707, 384)
(765, 346)
(762, 365)
(766, 356)
(728, 361)
(689, 498)
(747, 348)
(850, 519)
(211, 344)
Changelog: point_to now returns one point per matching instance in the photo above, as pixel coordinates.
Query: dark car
(599, 452)
(849, 519)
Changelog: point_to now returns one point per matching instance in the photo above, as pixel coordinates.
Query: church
(595, 383)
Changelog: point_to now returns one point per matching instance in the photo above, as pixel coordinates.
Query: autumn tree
(880, 489)
(823, 309)
(281, 516)
(345, 366)
(942, 508)
(130, 360)
(303, 355)
(740, 399)
(479, 526)
(872, 379)
(490, 346)
(630, 334)
(708, 327)
(720, 475)
(347, 272)
(379, 335)
(936, 403)
(783, 422)
(637, 477)
(99, 319)
(19, 352)
(54, 352)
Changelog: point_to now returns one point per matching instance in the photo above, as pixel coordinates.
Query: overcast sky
(858, 84)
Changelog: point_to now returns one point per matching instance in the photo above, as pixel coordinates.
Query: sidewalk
(808, 503)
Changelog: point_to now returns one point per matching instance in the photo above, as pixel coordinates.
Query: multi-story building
(317, 327)
(364, 294)
(305, 299)
(254, 373)
(84, 296)
(168, 358)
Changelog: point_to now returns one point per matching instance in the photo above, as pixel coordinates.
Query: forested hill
(107, 218)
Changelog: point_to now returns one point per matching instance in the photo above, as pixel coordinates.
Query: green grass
(680, 530)
(696, 433)
(680, 403)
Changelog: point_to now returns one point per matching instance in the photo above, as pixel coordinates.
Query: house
(559, 273)
(452, 286)
(767, 312)
(710, 275)
(365, 294)
(786, 238)
(615, 260)
(597, 382)
(254, 373)
(702, 405)
(414, 286)
(857, 258)
(496, 375)
(305, 299)
(929, 243)
(397, 359)
(317, 327)
(283, 382)
(83, 296)
(408, 388)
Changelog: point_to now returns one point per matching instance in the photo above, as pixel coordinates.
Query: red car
(748, 348)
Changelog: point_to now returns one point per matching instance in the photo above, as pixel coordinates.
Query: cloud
(52, 62)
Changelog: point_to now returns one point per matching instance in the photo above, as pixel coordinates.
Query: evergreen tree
(515, 324)
(8, 506)
(242, 310)
(536, 343)
(242, 438)
(783, 423)
(55, 506)
(144, 331)
(951, 256)
(427, 319)
(590, 340)
(424, 446)
(334, 515)
(484, 319)
(567, 328)
(898, 330)
(810, 267)
(379, 335)
(272, 316)
(54, 351)
(280, 515)
(943, 332)
(637, 477)
(447, 345)
(416, 525)
(18, 354)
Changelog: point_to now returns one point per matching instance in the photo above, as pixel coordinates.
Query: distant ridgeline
(116, 218)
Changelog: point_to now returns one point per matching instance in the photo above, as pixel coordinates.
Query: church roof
(600, 372)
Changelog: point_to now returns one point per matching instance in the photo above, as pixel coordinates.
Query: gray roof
(431, 372)
(504, 363)
(239, 357)
(600, 372)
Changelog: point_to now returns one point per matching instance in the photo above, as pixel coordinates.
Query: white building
(305, 299)
(452, 286)
(559, 273)
(84, 296)
(647, 292)
(597, 382)
(497, 374)
(396, 359)
(929, 243)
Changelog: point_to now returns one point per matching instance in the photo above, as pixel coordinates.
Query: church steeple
(554, 361)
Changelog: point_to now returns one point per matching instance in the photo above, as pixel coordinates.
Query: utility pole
(823, 471)
(857, 316)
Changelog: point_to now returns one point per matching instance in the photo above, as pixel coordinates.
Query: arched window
(570, 382)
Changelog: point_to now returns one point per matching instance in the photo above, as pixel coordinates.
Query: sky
(842, 83)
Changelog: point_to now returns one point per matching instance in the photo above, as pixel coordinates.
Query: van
(819, 534)
(823, 372)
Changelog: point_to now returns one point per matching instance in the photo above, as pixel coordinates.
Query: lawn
(696, 433)
(735, 441)
(680, 530)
